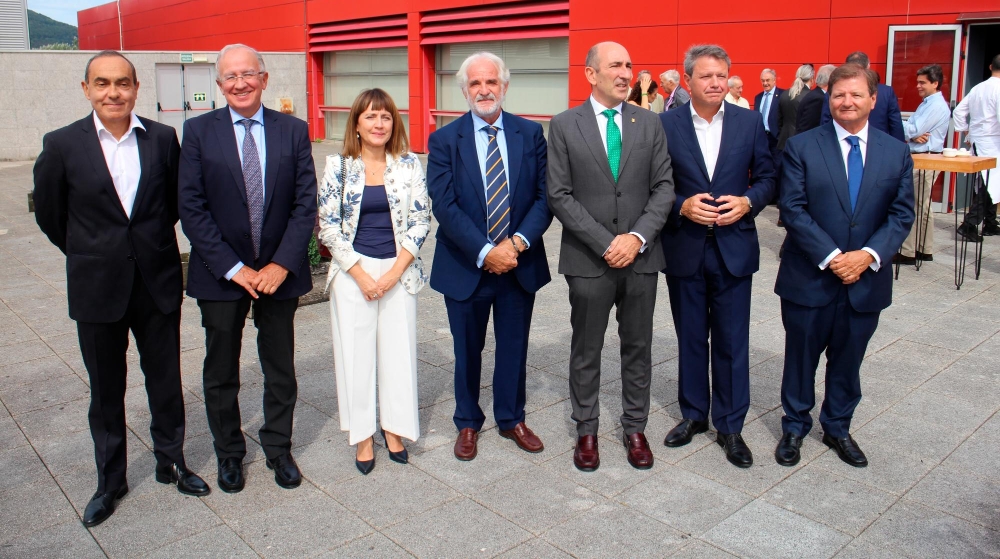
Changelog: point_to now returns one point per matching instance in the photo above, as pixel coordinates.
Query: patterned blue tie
(254, 184)
(855, 169)
(497, 197)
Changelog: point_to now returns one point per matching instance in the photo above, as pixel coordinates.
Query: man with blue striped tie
(486, 179)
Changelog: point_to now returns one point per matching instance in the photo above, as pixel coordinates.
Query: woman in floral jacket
(374, 215)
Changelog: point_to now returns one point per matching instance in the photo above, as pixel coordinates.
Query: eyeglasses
(246, 76)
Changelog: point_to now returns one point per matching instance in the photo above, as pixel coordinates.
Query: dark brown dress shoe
(737, 451)
(639, 454)
(586, 458)
(787, 451)
(524, 438)
(847, 449)
(465, 445)
(684, 431)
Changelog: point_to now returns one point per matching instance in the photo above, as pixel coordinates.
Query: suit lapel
(227, 143)
(873, 161)
(730, 130)
(691, 139)
(145, 163)
(830, 148)
(587, 123)
(92, 145)
(515, 149)
(272, 138)
(628, 133)
(467, 151)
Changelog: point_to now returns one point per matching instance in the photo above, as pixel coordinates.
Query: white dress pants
(375, 340)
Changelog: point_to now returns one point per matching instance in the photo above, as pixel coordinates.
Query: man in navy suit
(766, 103)
(486, 179)
(724, 177)
(885, 115)
(248, 205)
(847, 202)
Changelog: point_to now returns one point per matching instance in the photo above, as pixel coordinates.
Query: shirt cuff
(527, 245)
(826, 261)
(482, 254)
(641, 238)
(878, 261)
(234, 271)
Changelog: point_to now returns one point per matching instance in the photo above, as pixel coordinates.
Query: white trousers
(375, 340)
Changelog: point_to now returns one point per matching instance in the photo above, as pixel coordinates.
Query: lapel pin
(633, 120)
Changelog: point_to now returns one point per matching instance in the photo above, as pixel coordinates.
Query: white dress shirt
(979, 114)
(122, 158)
(845, 149)
(709, 137)
(602, 125)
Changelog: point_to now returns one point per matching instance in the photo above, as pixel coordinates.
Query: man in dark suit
(847, 202)
(248, 205)
(486, 179)
(885, 115)
(767, 104)
(610, 185)
(106, 195)
(724, 177)
(810, 110)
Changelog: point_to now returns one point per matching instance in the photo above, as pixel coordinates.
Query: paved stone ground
(928, 422)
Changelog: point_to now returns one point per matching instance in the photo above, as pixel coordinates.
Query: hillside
(44, 30)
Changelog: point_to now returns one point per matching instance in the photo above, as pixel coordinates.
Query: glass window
(347, 73)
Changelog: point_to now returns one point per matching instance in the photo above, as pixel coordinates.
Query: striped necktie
(254, 183)
(497, 195)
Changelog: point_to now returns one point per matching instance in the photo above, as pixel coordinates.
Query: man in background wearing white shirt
(106, 195)
(979, 115)
(735, 95)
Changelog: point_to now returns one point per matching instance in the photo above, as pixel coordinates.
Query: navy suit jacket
(213, 207)
(816, 209)
(885, 114)
(744, 168)
(772, 112)
(458, 201)
(810, 110)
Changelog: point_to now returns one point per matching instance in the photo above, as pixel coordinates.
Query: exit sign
(187, 57)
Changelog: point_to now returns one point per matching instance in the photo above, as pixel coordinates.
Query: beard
(490, 110)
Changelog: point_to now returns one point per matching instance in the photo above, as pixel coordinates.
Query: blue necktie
(254, 183)
(855, 169)
(766, 107)
(497, 199)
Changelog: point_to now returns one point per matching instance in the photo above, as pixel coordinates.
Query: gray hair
(671, 76)
(769, 71)
(823, 76)
(235, 46)
(700, 51)
(462, 76)
(804, 74)
(733, 80)
(646, 72)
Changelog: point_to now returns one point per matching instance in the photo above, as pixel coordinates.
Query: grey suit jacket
(591, 206)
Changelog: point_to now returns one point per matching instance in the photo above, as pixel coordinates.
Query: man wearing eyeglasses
(247, 190)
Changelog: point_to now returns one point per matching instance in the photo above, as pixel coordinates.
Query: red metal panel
(503, 23)
(502, 35)
(661, 51)
(592, 14)
(359, 45)
(909, 8)
(357, 25)
(744, 11)
(324, 11)
(495, 11)
(871, 35)
(360, 36)
(772, 42)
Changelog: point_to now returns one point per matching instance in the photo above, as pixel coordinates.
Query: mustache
(487, 97)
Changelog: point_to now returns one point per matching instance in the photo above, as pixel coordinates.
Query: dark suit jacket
(810, 110)
(885, 114)
(458, 201)
(744, 168)
(787, 112)
(592, 207)
(77, 207)
(772, 112)
(816, 209)
(213, 207)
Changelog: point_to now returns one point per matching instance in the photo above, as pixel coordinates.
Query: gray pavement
(928, 422)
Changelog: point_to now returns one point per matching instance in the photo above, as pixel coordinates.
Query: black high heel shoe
(366, 466)
(401, 457)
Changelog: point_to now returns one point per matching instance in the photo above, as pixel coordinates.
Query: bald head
(609, 71)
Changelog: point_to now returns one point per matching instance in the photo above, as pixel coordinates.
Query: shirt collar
(842, 133)
(134, 123)
(722, 112)
(257, 116)
(929, 98)
(599, 108)
(478, 123)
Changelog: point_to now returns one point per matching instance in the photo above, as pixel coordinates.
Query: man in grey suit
(610, 184)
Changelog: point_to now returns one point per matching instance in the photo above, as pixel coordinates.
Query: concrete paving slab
(458, 528)
(128, 533)
(698, 549)
(391, 495)
(536, 499)
(69, 540)
(960, 493)
(761, 529)
(220, 541)
(372, 546)
(608, 530)
(536, 548)
(497, 459)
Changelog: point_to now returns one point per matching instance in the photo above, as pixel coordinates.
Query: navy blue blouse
(374, 238)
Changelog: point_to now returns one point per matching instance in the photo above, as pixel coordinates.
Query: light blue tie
(855, 170)
(497, 194)
(765, 108)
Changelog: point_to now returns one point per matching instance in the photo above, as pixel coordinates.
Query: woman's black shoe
(366, 466)
(401, 457)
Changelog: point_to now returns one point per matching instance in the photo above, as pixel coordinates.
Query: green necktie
(614, 142)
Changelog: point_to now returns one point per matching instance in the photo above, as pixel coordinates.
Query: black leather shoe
(187, 482)
(787, 452)
(286, 472)
(102, 506)
(925, 257)
(401, 457)
(684, 431)
(903, 260)
(991, 229)
(847, 449)
(231, 475)
(968, 231)
(737, 451)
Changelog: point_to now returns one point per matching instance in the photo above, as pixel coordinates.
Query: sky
(63, 10)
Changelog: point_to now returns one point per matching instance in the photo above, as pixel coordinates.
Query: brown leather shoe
(586, 458)
(465, 445)
(639, 454)
(524, 437)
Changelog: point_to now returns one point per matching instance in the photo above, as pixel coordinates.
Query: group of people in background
(637, 194)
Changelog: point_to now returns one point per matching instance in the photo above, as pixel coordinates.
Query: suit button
(130, 257)
(853, 225)
(619, 194)
(615, 220)
(246, 235)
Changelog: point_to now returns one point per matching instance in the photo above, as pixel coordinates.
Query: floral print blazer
(409, 207)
